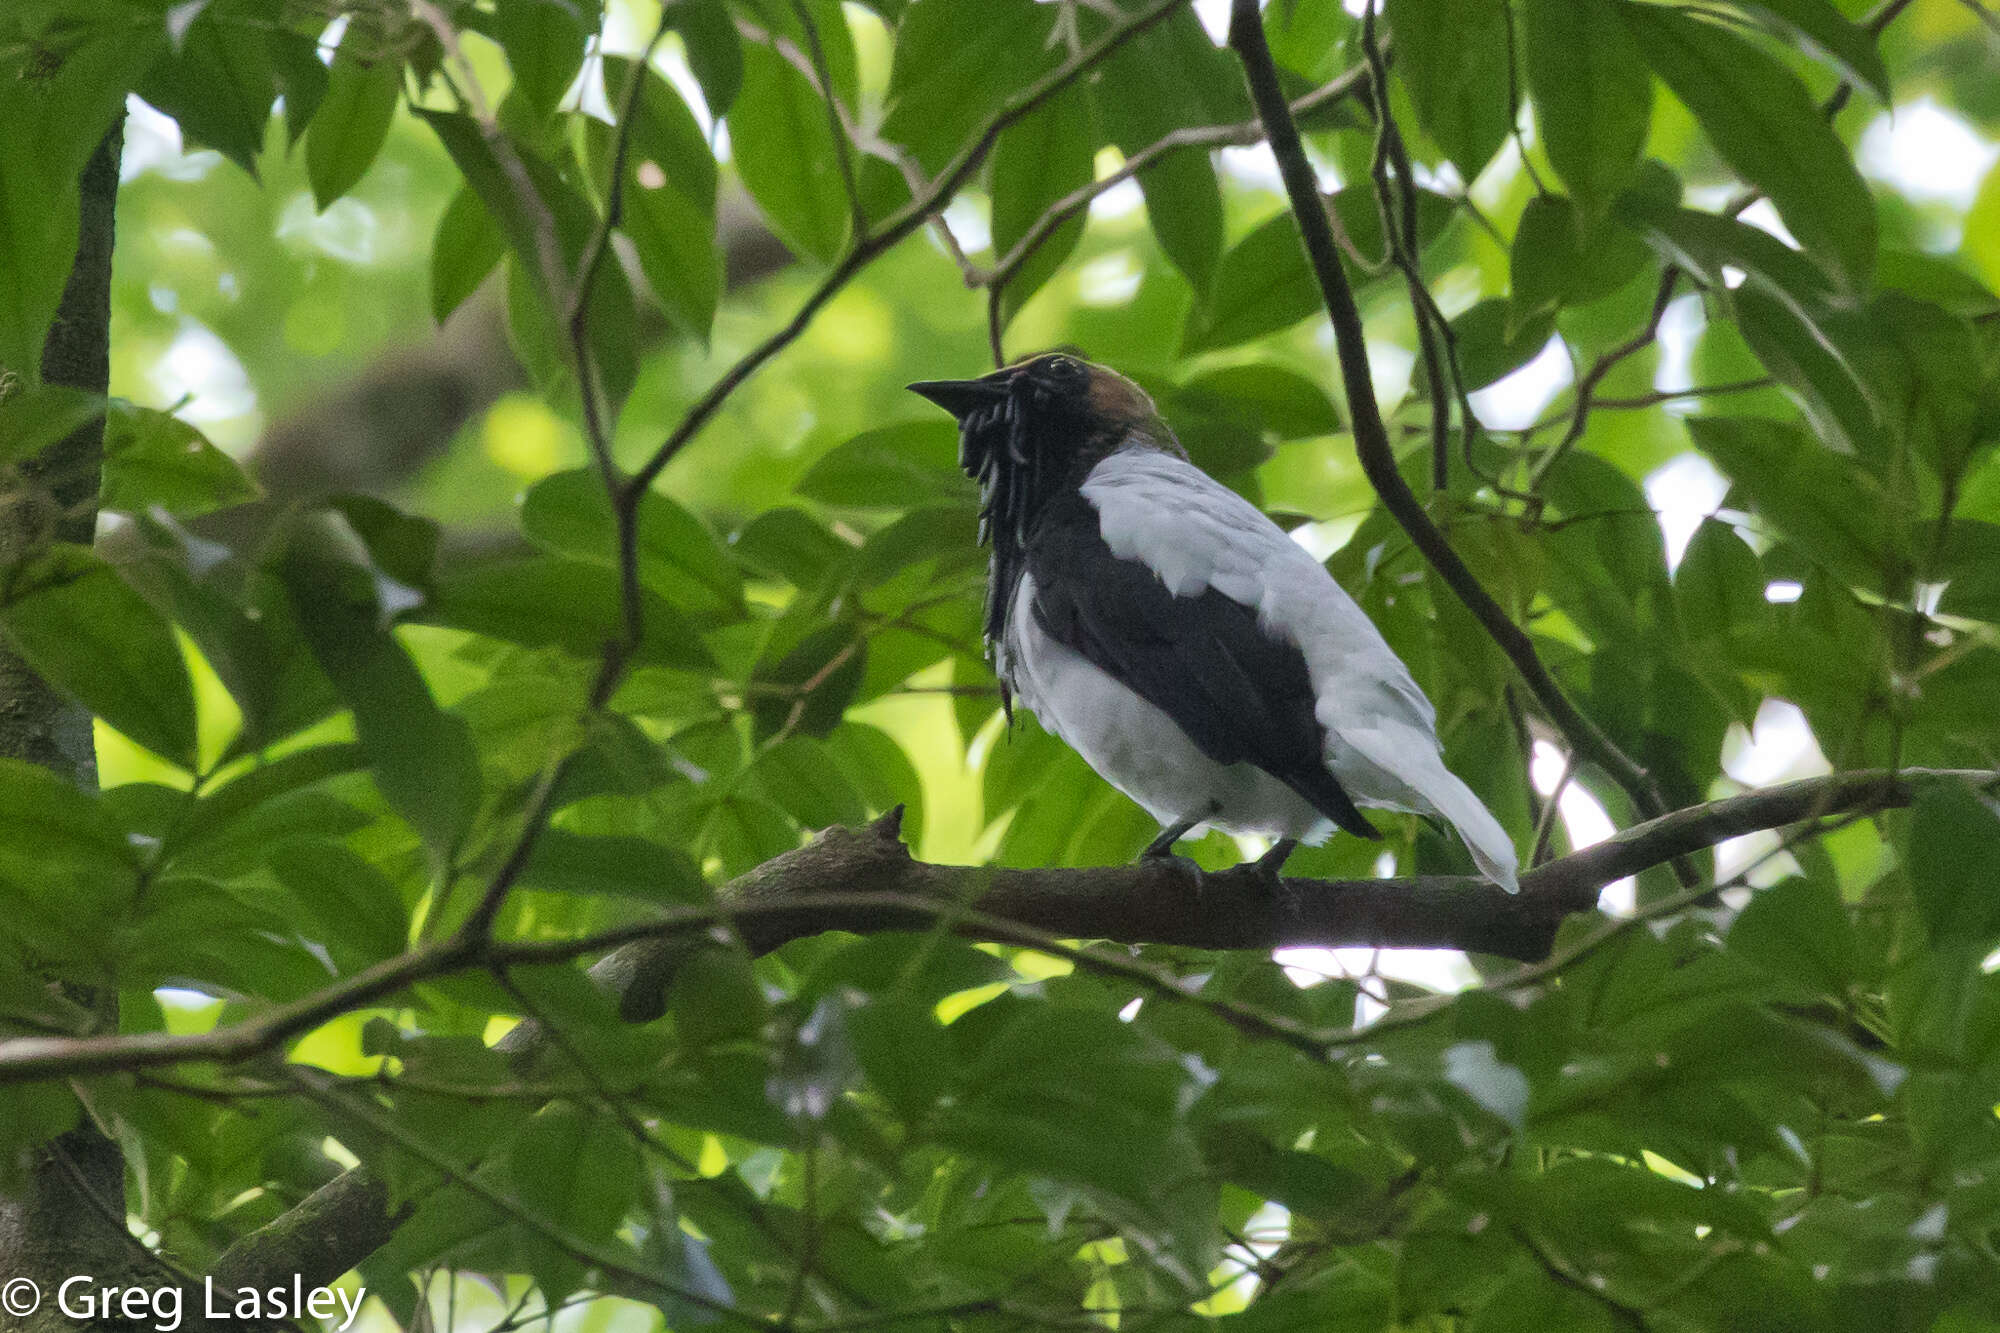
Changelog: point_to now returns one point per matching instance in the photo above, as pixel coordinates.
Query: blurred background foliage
(1767, 543)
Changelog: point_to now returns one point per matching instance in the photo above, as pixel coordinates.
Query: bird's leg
(1171, 834)
(1271, 865)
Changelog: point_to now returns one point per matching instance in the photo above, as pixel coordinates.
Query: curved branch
(865, 880)
(1371, 436)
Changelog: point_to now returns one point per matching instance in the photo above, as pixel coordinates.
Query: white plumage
(1195, 534)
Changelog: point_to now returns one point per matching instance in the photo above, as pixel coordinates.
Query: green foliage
(326, 734)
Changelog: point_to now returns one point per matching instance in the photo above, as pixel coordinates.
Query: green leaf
(1930, 379)
(954, 66)
(57, 842)
(1184, 206)
(352, 121)
(1830, 34)
(1593, 98)
(904, 1052)
(1982, 230)
(679, 558)
(355, 904)
(791, 545)
(153, 459)
(882, 772)
(248, 638)
(612, 319)
(218, 84)
(1765, 124)
(1831, 397)
(625, 867)
(803, 779)
(544, 601)
(1282, 403)
(1953, 854)
(579, 1172)
(300, 78)
(1037, 161)
(1453, 56)
(1169, 77)
(669, 196)
(890, 467)
(1825, 502)
(246, 798)
(56, 105)
(86, 632)
(467, 246)
(1719, 586)
(784, 151)
(1787, 311)
(544, 41)
(31, 420)
(1798, 930)
(1531, 1302)
(1707, 244)
(714, 51)
(1264, 284)
(1555, 262)
(423, 758)
(1491, 346)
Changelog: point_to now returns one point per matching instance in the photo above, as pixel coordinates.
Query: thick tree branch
(865, 880)
(1371, 437)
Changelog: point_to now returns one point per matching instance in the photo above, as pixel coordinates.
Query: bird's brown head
(1060, 390)
(1028, 430)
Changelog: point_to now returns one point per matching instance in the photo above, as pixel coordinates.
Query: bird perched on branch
(1195, 656)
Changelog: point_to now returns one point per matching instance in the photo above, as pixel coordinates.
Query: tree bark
(70, 1215)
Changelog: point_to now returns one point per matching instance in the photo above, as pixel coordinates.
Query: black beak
(962, 397)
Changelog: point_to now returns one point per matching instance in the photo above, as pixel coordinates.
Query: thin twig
(1579, 417)
(1545, 826)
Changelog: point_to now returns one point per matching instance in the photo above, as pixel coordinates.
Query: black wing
(1239, 694)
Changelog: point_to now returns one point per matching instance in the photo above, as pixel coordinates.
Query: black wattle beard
(1005, 447)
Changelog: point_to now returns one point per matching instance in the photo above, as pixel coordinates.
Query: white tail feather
(1405, 772)
(1492, 850)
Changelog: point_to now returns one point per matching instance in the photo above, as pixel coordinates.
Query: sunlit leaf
(353, 118)
(783, 142)
(154, 459)
(1593, 98)
(1453, 54)
(669, 199)
(1761, 119)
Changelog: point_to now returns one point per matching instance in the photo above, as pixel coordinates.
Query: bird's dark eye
(1063, 369)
